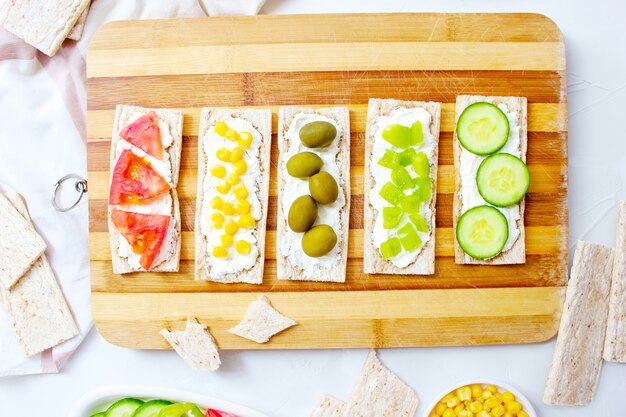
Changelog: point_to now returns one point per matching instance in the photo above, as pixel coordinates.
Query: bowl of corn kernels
(483, 398)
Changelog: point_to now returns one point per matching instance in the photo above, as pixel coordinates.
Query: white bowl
(519, 397)
(96, 400)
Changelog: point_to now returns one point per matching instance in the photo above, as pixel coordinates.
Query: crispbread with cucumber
(401, 154)
(491, 178)
(232, 198)
(313, 193)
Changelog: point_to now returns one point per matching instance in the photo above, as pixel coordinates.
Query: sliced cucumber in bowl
(482, 232)
(482, 128)
(502, 179)
(125, 407)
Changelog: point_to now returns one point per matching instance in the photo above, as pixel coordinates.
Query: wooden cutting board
(326, 60)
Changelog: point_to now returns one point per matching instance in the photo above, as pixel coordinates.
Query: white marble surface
(287, 383)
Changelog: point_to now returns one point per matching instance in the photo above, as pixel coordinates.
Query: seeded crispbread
(577, 356)
(262, 121)
(380, 393)
(43, 24)
(373, 262)
(328, 406)
(174, 118)
(615, 339)
(336, 273)
(36, 308)
(20, 244)
(261, 322)
(517, 253)
(77, 31)
(195, 345)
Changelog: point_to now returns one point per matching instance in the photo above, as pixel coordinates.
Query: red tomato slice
(144, 232)
(215, 413)
(135, 181)
(144, 133)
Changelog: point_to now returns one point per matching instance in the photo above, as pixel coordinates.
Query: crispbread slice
(77, 31)
(195, 345)
(577, 356)
(123, 116)
(328, 406)
(20, 244)
(373, 262)
(380, 393)
(517, 253)
(261, 322)
(337, 273)
(36, 308)
(615, 340)
(262, 121)
(43, 24)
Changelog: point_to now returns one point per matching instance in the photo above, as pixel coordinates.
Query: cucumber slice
(123, 408)
(482, 232)
(482, 128)
(98, 415)
(151, 408)
(502, 179)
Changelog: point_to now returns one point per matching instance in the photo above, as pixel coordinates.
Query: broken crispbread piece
(195, 345)
(36, 308)
(328, 406)
(43, 24)
(577, 356)
(20, 244)
(261, 322)
(380, 393)
(77, 31)
(615, 339)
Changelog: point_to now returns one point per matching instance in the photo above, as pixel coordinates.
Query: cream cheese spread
(329, 214)
(406, 117)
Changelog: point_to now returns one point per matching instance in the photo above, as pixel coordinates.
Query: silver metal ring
(80, 186)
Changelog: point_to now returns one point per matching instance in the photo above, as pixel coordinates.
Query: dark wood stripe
(288, 88)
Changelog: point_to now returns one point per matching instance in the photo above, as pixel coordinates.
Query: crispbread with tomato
(144, 213)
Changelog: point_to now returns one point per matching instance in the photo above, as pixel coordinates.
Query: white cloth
(42, 138)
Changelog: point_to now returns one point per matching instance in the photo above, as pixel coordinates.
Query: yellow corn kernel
(491, 402)
(483, 414)
(223, 154)
(453, 402)
(487, 394)
(464, 393)
(447, 397)
(241, 191)
(507, 397)
(246, 221)
(497, 411)
(522, 413)
(440, 408)
(236, 154)
(240, 167)
(232, 178)
(231, 227)
(221, 128)
(232, 135)
(226, 240)
(243, 247)
(227, 208)
(242, 206)
(217, 220)
(218, 171)
(477, 391)
(220, 252)
(217, 203)
(507, 414)
(465, 413)
(458, 409)
(433, 415)
(245, 139)
(448, 413)
(476, 407)
(513, 407)
(492, 388)
(223, 188)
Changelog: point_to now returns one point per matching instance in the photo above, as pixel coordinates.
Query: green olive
(304, 164)
(319, 241)
(318, 134)
(302, 214)
(323, 188)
